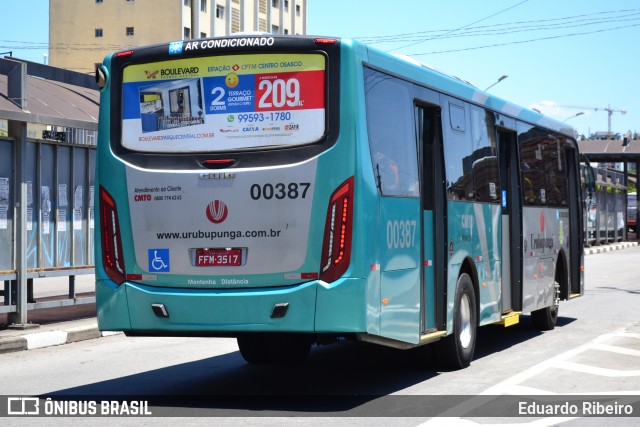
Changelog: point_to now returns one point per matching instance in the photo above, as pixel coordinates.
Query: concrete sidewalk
(76, 326)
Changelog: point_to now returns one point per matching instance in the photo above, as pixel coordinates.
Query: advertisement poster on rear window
(224, 103)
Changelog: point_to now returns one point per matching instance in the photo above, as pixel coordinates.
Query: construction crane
(608, 109)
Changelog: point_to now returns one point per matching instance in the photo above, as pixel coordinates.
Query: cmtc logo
(217, 211)
(175, 48)
(142, 198)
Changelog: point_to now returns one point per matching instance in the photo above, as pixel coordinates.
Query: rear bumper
(312, 307)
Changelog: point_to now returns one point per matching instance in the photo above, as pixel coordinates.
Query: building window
(219, 11)
(286, 5)
(129, 31)
(98, 32)
(274, 3)
(298, 9)
(203, 35)
(98, 1)
(203, 5)
(286, 31)
(235, 20)
(275, 29)
(187, 32)
(187, 2)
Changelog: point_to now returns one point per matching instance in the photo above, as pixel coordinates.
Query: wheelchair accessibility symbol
(159, 260)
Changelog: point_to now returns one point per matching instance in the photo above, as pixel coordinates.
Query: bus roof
(459, 88)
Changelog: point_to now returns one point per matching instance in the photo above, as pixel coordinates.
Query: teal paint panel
(400, 263)
(341, 306)
(400, 315)
(113, 309)
(203, 310)
(429, 276)
(475, 235)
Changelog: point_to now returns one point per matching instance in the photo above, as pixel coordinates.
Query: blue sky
(557, 53)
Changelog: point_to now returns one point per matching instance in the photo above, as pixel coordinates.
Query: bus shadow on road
(496, 338)
(347, 378)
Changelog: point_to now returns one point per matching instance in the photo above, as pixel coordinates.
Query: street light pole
(575, 115)
(504, 76)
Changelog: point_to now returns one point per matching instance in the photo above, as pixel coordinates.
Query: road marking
(512, 385)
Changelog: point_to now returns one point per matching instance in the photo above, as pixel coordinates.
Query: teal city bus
(288, 191)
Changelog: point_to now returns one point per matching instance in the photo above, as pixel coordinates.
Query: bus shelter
(48, 126)
(606, 214)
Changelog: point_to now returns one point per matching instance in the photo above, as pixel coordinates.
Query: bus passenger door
(511, 255)
(576, 237)
(434, 223)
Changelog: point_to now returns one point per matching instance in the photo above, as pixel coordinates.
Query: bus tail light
(336, 247)
(112, 258)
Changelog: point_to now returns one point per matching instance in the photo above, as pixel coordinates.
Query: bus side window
(390, 125)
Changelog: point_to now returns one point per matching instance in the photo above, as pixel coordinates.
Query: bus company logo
(151, 75)
(142, 198)
(292, 127)
(175, 48)
(217, 211)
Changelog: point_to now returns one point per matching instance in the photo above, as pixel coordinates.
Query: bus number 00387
(401, 234)
(280, 191)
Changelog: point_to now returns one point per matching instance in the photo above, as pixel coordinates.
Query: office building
(82, 32)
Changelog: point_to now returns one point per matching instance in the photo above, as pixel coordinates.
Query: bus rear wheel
(281, 348)
(455, 351)
(545, 318)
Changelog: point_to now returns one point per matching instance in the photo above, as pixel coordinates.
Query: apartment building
(82, 32)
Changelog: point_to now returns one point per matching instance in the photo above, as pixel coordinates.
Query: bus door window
(484, 159)
(458, 152)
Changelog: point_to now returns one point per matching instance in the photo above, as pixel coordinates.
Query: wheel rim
(466, 331)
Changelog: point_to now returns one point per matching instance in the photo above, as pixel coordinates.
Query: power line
(524, 41)
(522, 29)
(464, 26)
(574, 18)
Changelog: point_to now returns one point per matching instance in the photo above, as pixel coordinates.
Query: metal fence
(52, 234)
(606, 212)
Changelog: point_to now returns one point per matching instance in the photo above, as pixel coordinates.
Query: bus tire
(253, 347)
(545, 318)
(455, 351)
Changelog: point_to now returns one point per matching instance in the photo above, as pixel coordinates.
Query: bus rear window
(224, 103)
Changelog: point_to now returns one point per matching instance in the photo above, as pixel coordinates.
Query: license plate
(218, 257)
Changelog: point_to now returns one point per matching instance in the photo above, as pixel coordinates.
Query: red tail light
(336, 248)
(112, 258)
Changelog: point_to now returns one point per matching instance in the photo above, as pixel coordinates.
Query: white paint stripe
(595, 370)
(46, 339)
(616, 349)
(457, 421)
